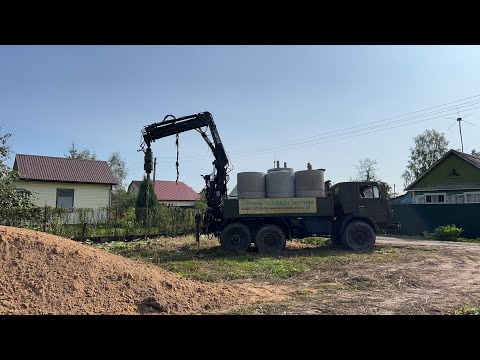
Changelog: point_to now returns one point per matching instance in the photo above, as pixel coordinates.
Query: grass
(422, 247)
(429, 236)
(316, 276)
(178, 254)
(477, 240)
(468, 311)
(315, 241)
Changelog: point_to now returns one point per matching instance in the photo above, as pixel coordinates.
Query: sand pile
(46, 274)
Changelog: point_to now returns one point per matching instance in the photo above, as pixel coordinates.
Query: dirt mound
(47, 274)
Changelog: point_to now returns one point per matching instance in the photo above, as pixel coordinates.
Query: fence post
(198, 218)
(115, 224)
(84, 229)
(45, 217)
(145, 223)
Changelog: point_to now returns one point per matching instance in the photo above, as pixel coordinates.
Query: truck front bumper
(394, 226)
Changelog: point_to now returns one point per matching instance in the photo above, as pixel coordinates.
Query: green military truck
(351, 213)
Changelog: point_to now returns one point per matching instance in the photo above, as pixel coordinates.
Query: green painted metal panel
(439, 175)
(416, 218)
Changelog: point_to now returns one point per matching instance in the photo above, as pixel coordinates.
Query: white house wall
(177, 203)
(85, 195)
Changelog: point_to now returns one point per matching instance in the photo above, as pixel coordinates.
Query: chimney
(284, 164)
(309, 167)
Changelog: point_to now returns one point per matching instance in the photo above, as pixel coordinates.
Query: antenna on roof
(459, 120)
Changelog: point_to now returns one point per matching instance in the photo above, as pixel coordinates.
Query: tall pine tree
(141, 202)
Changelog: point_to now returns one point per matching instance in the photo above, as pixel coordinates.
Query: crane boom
(216, 186)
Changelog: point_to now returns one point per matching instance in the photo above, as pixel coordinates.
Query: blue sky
(285, 99)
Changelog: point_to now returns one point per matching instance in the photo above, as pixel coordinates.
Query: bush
(448, 232)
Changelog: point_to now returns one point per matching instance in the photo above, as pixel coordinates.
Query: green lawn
(213, 264)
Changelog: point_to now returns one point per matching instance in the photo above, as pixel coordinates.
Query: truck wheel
(270, 239)
(235, 237)
(358, 236)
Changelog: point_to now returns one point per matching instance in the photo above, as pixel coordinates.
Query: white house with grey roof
(65, 182)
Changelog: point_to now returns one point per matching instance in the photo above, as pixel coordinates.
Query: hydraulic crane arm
(216, 187)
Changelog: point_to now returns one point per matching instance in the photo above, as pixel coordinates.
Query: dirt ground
(439, 279)
(46, 274)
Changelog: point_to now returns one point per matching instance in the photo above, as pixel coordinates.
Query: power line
(350, 131)
(353, 131)
(349, 134)
(274, 147)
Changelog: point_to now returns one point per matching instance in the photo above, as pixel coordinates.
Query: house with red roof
(170, 193)
(65, 182)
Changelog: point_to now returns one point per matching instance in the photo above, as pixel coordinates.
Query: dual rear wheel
(237, 237)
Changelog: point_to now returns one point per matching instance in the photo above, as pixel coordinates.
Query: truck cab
(361, 210)
(362, 200)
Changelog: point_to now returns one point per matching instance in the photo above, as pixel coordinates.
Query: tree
(366, 170)
(119, 170)
(73, 153)
(141, 201)
(429, 147)
(386, 189)
(201, 205)
(476, 153)
(124, 199)
(407, 178)
(15, 205)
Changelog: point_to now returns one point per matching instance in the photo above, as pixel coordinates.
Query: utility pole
(148, 169)
(154, 170)
(459, 119)
(460, 127)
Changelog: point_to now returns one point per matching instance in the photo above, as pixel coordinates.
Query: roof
(402, 199)
(172, 191)
(475, 161)
(48, 168)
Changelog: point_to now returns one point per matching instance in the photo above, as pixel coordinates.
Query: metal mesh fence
(107, 223)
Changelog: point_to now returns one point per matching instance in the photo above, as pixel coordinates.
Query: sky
(326, 105)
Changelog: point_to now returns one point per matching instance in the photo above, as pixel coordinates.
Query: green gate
(417, 218)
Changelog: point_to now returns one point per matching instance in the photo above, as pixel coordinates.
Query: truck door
(371, 203)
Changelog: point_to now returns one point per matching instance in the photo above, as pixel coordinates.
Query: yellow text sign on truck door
(277, 206)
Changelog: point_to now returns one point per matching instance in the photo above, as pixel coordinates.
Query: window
(435, 198)
(65, 198)
(472, 197)
(419, 199)
(453, 173)
(369, 191)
